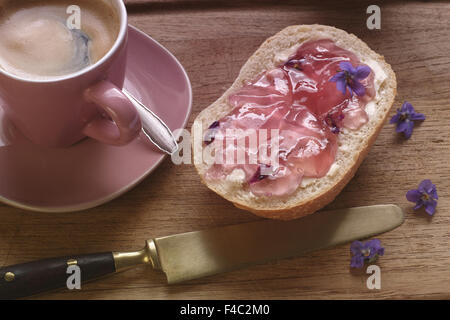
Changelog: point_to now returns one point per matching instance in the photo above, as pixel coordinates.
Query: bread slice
(353, 146)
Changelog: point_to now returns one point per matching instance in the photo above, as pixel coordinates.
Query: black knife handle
(26, 279)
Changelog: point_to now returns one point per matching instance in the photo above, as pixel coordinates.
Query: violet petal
(425, 186)
(356, 246)
(357, 261)
(430, 207)
(341, 85)
(417, 117)
(418, 205)
(347, 66)
(413, 195)
(340, 76)
(402, 126)
(362, 72)
(434, 194)
(395, 118)
(407, 107)
(358, 88)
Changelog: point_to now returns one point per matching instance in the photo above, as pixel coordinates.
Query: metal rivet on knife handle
(9, 276)
(72, 262)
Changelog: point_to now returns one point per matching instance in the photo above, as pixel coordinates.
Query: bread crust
(263, 59)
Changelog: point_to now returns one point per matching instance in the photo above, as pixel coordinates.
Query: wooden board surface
(212, 39)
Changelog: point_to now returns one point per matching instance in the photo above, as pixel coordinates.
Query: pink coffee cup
(60, 111)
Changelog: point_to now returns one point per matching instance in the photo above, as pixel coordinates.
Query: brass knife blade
(198, 254)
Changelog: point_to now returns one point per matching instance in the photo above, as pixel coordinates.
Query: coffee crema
(36, 42)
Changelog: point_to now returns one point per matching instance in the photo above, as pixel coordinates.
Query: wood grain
(212, 39)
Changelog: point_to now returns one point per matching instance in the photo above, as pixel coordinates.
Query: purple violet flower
(425, 195)
(211, 132)
(365, 252)
(350, 77)
(405, 118)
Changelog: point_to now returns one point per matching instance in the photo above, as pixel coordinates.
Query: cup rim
(122, 32)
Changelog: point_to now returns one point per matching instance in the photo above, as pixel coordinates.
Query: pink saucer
(89, 173)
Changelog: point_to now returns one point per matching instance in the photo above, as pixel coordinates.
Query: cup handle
(127, 123)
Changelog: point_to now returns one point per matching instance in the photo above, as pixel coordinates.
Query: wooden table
(212, 39)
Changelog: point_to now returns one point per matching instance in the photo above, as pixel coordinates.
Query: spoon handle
(154, 128)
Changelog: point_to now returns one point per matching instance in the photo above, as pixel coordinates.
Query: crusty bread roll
(353, 146)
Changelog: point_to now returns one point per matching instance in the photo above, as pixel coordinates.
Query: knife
(154, 128)
(198, 254)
